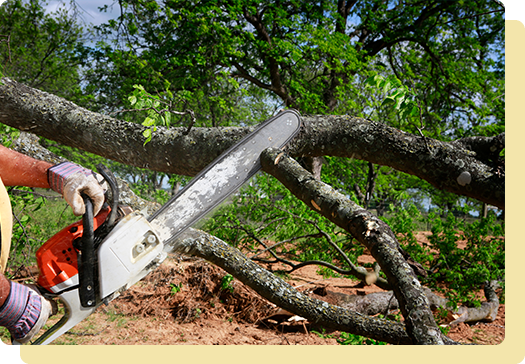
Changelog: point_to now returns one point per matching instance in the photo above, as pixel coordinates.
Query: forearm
(20, 170)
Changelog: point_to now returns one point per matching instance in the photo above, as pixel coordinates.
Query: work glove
(70, 180)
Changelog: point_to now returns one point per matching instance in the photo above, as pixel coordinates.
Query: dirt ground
(185, 302)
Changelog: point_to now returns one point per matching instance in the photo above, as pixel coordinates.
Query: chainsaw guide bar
(222, 177)
(91, 262)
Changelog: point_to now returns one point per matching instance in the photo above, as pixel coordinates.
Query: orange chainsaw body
(57, 258)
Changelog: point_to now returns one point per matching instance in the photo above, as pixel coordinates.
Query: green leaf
(389, 100)
(148, 121)
(147, 134)
(132, 100)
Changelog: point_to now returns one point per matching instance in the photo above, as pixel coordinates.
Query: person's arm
(67, 178)
(17, 169)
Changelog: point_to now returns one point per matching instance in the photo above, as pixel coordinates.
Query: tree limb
(282, 294)
(437, 162)
(172, 151)
(369, 231)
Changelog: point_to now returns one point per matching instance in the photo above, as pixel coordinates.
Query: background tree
(44, 49)
(216, 58)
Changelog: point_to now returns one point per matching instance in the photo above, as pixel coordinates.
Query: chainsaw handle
(112, 182)
(87, 262)
(74, 313)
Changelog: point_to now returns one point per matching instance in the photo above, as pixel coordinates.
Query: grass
(52, 217)
(119, 318)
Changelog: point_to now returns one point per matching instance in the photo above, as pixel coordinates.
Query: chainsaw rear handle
(87, 264)
(87, 260)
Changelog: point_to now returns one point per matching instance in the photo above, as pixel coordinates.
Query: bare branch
(174, 151)
(369, 231)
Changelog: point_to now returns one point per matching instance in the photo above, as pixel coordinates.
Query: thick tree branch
(57, 119)
(440, 163)
(369, 231)
(486, 148)
(171, 151)
(277, 291)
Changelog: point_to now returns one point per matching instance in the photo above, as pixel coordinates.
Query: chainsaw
(94, 260)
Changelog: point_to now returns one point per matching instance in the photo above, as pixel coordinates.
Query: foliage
(278, 218)
(466, 269)
(235, 62)
(315, 57)
(175, 288)
(36, 219)
(351, 339)
(145, 191)
(462, 270)
(346, 338)
(293, 230)
(226, 283)
(405, 222)
(23, 246)
(400, 97)
(141, 100)
(8, 135)
(44, 50)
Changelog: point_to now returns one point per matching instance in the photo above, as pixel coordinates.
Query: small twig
(23, 230)
(34, 194)
(162, 111)
(8, 46)
(286, 241)
(355, 271)
(192, 122)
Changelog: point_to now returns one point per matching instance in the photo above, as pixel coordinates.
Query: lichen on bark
(171, 151)
(369, 231)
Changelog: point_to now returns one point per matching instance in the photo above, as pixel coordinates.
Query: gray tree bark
(369, 231)
(466, 167)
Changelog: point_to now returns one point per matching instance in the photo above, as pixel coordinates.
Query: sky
(89, 8)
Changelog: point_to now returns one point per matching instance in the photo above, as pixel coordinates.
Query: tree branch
(282, 294)
(171, 151)
(369, 231)
(440, 163)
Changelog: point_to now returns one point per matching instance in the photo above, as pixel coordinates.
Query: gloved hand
(70, 180)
